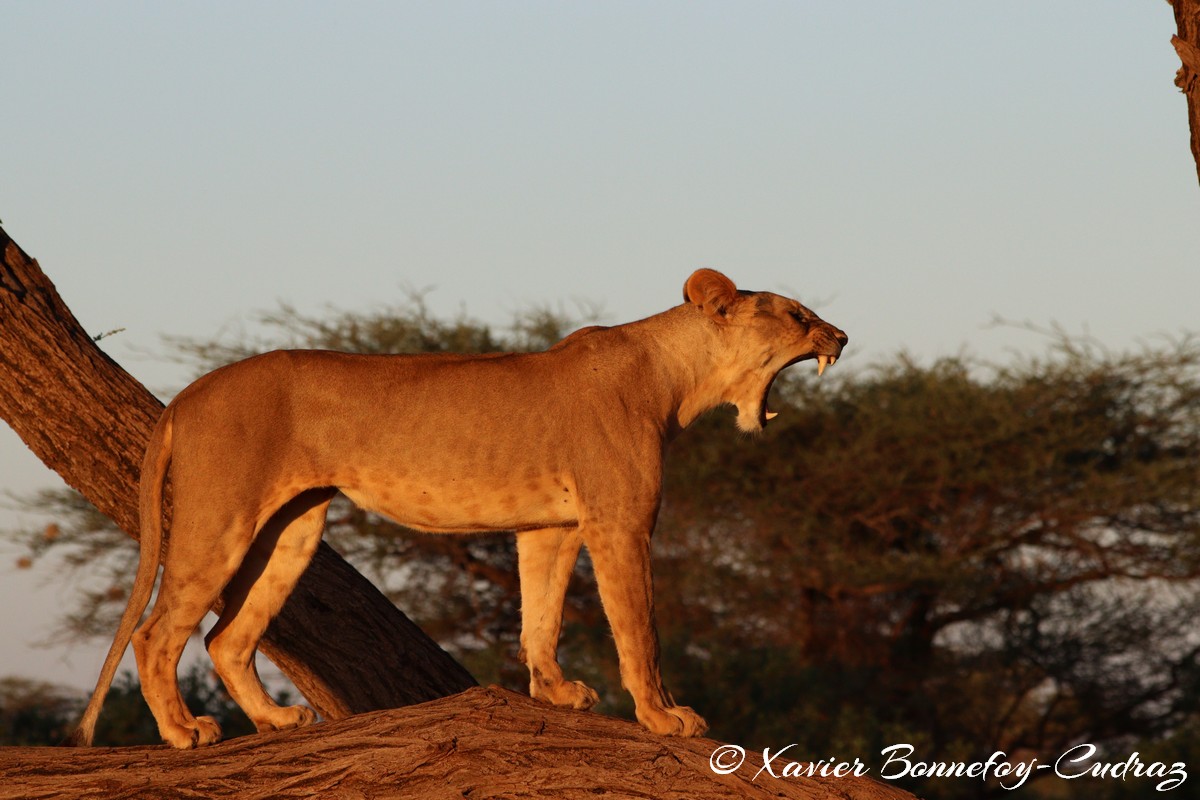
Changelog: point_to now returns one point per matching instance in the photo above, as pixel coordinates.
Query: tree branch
(483, 743)
(1187, 45)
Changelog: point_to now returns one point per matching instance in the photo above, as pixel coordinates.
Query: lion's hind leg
(545, 560)
(192, 579)
(280, 553)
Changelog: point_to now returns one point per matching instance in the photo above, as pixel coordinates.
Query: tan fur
(565, 447)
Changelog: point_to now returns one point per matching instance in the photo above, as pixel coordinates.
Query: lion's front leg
(621, 558)
(545, 559)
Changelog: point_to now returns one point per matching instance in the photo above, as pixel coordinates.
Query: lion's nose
(841, 337)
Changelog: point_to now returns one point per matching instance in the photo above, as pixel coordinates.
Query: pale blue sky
(909, 169)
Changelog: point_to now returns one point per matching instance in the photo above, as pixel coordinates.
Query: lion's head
(761, 334)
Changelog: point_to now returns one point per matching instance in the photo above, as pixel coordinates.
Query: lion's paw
(573, 694)
(672, 721)
(282, 719)
(577, 694)
(198, 732)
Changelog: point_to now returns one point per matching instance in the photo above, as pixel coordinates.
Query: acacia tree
(344, 646)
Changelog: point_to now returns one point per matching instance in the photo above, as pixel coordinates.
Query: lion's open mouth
(823, 361)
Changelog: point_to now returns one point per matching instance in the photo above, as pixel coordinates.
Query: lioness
(565, 447)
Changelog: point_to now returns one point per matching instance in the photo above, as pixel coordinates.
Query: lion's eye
(796, 315)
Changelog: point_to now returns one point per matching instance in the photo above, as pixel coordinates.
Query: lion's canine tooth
(822, 362)
(772, 414)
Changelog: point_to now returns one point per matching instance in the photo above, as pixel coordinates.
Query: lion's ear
(710, 290)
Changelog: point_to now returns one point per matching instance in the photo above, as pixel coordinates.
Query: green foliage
(962, 556)
(34, 712)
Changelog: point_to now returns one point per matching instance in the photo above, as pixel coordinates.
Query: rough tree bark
(342, 643)
(483, 743)
(1187, 45)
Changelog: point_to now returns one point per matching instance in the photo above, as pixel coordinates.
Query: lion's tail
(154, 472)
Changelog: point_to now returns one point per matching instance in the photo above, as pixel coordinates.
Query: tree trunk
(342, 643)
(1187, 45)
(483, 743)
